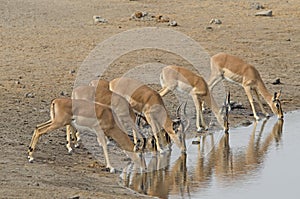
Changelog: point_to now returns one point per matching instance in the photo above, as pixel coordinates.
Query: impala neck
(264, 92)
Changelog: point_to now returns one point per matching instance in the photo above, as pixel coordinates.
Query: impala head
(276, 105)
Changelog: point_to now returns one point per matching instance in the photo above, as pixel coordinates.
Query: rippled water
(258, 161)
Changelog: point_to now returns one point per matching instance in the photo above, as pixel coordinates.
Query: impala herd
(112, 109)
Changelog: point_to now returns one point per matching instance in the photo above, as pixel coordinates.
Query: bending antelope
(85, 94)
(184, 80)
(147, 101)
(98, 117)
(232, 68)
(120, 106)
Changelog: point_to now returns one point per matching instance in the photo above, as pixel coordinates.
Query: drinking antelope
(232, 68)
(144, 99)
(184, 80)
(98, 117)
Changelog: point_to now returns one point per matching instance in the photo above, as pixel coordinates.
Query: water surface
(258, 161)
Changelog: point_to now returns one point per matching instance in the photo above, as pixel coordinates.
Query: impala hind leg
(68, 132)
(40, 130)
(102, 142)
(200, 123)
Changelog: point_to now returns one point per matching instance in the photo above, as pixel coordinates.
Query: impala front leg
(250, 98)
(260, 103)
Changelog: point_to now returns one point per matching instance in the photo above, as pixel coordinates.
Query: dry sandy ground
(42, 41)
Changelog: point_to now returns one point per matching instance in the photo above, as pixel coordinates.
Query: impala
(184, 80)
(101, 94)
(232, 68)
(98, 117)
(88, 94)
(147, 101)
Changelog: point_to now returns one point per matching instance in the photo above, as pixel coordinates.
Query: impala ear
(278, 95)
(274, 97)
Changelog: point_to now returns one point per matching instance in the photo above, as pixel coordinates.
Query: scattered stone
(17, 82)
(277, 81)
(29, 95)
(267, 13)
(257, 6)
(162, 18)
(139, 15)
(215, 21)
(98, 19)
(208, 28)
(236, 105)
(246, 123)
(173, 23)
(289, 39)
(195, 142)
(74, 197)
(72, 71)
(62, 93)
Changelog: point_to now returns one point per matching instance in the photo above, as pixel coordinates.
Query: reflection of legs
(155, 126)
(250, 98)
(199, 114)
(102, 141)
(260, 103)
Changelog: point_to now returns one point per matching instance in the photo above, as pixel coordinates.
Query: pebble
(29, 95)
(277, 81)
(215, 21)
(72, 71)
(99, 19)
(267, 13)
(173, 23)
(257, 6)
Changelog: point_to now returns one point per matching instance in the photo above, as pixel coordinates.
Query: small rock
(246, 123)
(173, 23)
(277, 81)
(195, 142)
(257, 6)
(208, 28)
(163, 19)
(267, 13)
(236, 105)
(98, 19)
(17, 82)
(62, 93)
(29, 95)
(74, 197)
(215, 21)
(138, 15)
(72, 71)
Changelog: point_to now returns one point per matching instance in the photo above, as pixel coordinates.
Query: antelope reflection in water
(216, 160)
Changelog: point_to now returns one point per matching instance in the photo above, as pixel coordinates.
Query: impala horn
(185, 127)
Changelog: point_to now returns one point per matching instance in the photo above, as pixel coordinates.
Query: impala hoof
(201, 129)
(30, 159)
(112, 170)
(70, 150)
